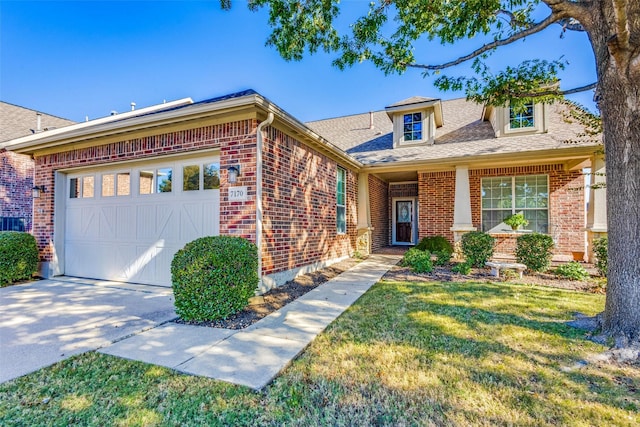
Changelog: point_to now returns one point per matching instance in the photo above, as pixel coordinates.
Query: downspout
(259, 144)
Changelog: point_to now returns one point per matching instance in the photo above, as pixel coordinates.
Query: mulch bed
(278, 297)
(484, 275)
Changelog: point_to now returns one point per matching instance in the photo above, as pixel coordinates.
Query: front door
(403, 221)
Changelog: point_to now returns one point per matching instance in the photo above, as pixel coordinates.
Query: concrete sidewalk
(255, 355)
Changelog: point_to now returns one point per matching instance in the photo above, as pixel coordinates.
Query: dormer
(415, 121)
(532, 118)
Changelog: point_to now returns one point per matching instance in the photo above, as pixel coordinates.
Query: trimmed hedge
(18, 256)
(477, 247)
(534, 251)
(214, 277)
(435, 244)
(419, 261)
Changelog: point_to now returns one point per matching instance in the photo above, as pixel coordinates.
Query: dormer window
(413, 127)
(415, 121)
(521, 118)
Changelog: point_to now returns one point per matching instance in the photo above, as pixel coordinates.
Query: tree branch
(490, 46)
(556, 92)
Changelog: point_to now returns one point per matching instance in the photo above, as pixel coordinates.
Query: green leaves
(18, 256)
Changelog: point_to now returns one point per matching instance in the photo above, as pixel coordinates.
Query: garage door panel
(134, 237)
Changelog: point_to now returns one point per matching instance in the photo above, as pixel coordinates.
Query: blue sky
(86, 58)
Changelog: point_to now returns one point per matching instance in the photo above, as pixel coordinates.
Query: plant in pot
(515, 221)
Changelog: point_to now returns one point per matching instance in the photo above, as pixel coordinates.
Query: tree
(392, 29)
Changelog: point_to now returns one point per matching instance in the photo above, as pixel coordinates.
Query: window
(191, 178)
(163, 180)
(504, 196)
(108, 185)
(522, 117)
(211, 173)
(341, 211)
(82, 187)
(123, 187)
(412, 127)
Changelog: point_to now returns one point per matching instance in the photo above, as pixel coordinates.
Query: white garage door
(126, 224)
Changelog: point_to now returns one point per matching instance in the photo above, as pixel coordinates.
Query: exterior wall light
(233, 174)
(35, 191)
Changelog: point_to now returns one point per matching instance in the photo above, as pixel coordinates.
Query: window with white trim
(504, 196)
(521, 117)
(412, 127)
(341, 201)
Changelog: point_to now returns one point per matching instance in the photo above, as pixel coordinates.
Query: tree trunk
(619, 102)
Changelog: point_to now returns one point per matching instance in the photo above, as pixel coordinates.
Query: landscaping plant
(572, 270)
(534, 251)
(214, 277)
(477, 247)
(462, 268)
(600, 249)
(515, 221)
(18, 256)
(435, 244)
(419, 261)
(442, 257)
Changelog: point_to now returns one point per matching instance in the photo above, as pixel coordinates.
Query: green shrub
(18, 256)
(462, 268)
(600, 249)
(572, 271)
(442, 258)
(214, 277)
(434, 244)
(419, 261)
(477, 247)
(534, 251)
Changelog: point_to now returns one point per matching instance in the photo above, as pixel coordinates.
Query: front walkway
(255, 355)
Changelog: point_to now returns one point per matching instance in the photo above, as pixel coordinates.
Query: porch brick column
(363, 242)
(462, 222)
(597, 212)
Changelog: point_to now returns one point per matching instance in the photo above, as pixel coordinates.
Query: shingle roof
(464, 134)
(16, 121)
(411, 101)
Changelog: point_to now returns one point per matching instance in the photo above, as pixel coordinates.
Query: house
(16, 170)
(124, 194)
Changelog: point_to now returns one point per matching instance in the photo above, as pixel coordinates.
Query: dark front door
(404, 221)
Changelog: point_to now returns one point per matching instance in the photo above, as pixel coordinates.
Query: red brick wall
(403, 190)
(566, 204)
(435, 204)
(237, 140)
(16, 182)
(299, 206)
(380, 208)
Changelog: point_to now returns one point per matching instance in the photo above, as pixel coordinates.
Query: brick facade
(299, 206)
(380, 213)
(16, 182)
(566, 205)
(237, 138)
(436, 198)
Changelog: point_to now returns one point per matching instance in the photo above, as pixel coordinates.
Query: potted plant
(515, 221)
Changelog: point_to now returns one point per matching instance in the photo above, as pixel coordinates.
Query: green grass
(405, 354)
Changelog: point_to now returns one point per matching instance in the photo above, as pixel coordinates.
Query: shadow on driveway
(47, 321)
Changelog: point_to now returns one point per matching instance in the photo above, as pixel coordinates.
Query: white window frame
(344, 198)
(501, 226)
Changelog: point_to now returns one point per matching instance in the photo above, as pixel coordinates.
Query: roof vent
(114, 112)
(38, 122)
(370, 119)
(133, 106)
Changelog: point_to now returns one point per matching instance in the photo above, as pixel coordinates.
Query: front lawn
(434, 353)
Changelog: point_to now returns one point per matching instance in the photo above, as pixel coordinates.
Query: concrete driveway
(47, 321)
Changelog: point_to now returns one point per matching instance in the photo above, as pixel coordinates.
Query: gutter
(259, 145)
